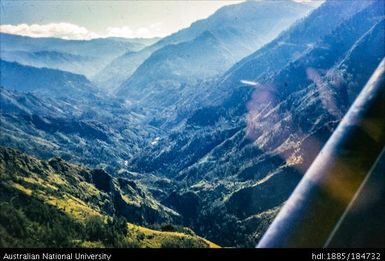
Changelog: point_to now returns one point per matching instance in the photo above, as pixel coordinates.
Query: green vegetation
(56, 204)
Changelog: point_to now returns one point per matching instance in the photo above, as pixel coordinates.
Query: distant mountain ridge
(93, 47)
(306, 34)
(85, 57)
(44, 81)
(240, 28)
(50, 59)
(173, 67)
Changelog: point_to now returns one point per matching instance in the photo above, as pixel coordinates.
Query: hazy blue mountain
(54, 60)
(243, 155)
(78, 56)
(44, 81)
(95, 47)
(240, 28)
(294, 42)
(171, 68)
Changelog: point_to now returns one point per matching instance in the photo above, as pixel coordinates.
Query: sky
(104, 18)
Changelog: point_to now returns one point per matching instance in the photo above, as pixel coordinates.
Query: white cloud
(61, 30)
(142, 32)
(76, 32)
(311, 2)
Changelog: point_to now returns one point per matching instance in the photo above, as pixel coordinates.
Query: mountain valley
(204, 132)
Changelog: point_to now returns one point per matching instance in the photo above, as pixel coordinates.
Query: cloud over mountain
(75, 32)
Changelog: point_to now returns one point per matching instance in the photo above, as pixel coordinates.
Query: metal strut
(312, 213)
